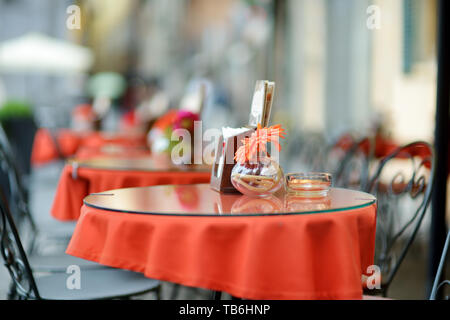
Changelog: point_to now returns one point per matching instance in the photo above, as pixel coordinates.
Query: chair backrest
(438, 284)
(405, 177)
(21, 131)
(16, 192)
(14, 255)
(352, 169)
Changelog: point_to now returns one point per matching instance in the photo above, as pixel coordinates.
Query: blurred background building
(334, 74)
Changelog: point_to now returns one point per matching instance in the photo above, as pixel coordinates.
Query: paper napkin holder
(224, 161)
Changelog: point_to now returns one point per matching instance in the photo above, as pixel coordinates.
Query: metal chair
(94, 284)
(21, 130)
(25, 222)
(394, 236)
(351, 165)
(437, 285)
(18, 194)
(347, 159)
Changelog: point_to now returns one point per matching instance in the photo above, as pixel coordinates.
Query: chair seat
(60, 262)
(96, 284)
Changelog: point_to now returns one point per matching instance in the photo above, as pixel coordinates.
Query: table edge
(368, 204)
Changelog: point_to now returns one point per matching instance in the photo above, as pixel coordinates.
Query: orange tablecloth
(70, 192)
(45, 150)
(68, 142)
(309, 256)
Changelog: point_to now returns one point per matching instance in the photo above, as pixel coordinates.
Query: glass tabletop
(141, 163)
(201, 200)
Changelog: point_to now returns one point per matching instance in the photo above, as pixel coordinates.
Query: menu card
(194, 100)
(261, 103)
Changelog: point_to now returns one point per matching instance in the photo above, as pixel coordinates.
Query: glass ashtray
(311, 184)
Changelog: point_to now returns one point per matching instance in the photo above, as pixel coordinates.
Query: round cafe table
(49, 146)
(81, 177)
(282, 247)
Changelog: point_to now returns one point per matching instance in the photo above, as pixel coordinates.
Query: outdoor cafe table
(64, 143)
(282, 247)
(81, 177)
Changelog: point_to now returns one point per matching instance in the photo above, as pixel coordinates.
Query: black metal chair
(21, 131)
(18, 194)
(348, 162)
(438, 284)
(25, 222)
(94, 284)
(395, 230)
(351, 166)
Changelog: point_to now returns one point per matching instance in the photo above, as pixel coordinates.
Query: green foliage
(15, 109)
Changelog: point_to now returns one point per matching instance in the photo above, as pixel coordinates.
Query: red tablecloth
(309, 256)
(68, 142)
(70, 192)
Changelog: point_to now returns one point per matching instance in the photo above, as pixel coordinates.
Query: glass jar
(257, 179)
(309, 184)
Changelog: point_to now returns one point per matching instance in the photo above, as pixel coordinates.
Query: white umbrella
(35, 52)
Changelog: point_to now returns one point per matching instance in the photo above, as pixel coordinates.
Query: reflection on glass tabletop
(201, 200)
